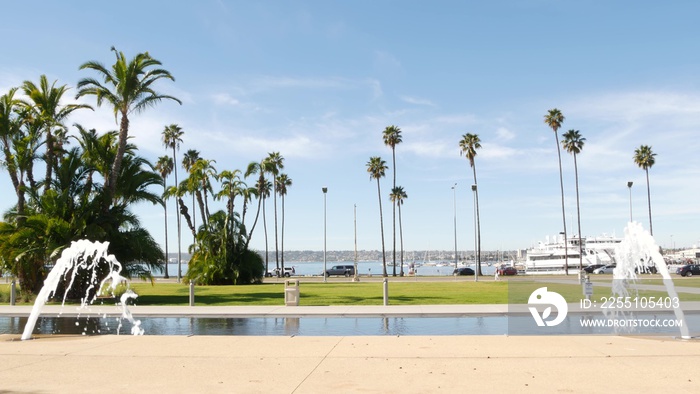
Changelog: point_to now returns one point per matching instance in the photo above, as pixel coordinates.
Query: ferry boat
(549, 257)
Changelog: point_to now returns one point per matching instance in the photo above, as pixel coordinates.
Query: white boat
(549, 257)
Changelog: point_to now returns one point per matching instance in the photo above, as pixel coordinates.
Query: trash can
(291, 292)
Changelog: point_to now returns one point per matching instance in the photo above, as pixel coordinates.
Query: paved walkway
(408, 364)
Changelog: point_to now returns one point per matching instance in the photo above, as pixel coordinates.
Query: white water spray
(633, 255)
(86, 255)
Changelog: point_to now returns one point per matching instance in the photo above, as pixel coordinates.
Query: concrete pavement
(407, 364)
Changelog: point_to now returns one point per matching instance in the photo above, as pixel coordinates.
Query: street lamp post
(357, 275)
(325, 277)
(454, 203)
(629, 186)
(476, 269)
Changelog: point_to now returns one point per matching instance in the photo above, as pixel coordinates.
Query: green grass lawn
(371, 292)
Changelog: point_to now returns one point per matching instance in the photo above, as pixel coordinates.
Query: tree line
(81, 183)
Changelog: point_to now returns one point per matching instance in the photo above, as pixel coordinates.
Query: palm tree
(264, 189)
(283, 182)
(165, 166)
(573, 143)
(275, 163)
(468, 146)
(554, 119)
(199, 182)
(257, 168)
(188, 159)
(10, 128)
(50, 114)
(644, 158)
(127, 88)
(392, 137)
(377, 169)
(397, 196)
(172, 137)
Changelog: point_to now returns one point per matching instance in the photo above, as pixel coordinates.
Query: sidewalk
(408, 364)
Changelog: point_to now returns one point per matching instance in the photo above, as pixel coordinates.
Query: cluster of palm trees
(88, 188)
(220, 253)
(573, 142)
(376, 167)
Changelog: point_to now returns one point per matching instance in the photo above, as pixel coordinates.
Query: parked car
(507, 271)
(608, 269)
(647, 269)
(592, 267)
(689, 270)
(345, 270)
(288, 271)
(463, 271)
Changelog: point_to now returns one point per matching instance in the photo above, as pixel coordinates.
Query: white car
(288, 271)
(608, 269)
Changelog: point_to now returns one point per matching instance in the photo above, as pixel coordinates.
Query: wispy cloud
(417, 101)
(225, 99)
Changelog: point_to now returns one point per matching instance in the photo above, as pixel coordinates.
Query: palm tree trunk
(651, 231)
(117, 165)
(563, 213)
(401, 237)
(282, 237)
(255, 222)
(381, 222)
(179, 222)
(478, 225)
(578, 214)
(277, 251)
(393, 155)
(49, 159)
(267, 266)
(200, 202)
(16, 184)
(167, 257)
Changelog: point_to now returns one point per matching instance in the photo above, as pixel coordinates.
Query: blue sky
(318, 81)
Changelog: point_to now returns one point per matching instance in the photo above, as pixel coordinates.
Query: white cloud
(417, 101)
(504, 134)
(631, 106)
(225, 99)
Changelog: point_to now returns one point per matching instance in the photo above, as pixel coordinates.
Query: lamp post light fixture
(325, 277)
(476, 269)
(356, 278)
(454, 203)
(629, 186)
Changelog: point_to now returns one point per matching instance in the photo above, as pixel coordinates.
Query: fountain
(633, 255)
(86, 255)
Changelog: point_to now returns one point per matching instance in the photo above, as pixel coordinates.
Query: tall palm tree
(283, 183)
(468, 146)
(188, 159)
(377, 169)
(257, 168)
(573, 143)
(392, 137)
(265, 188)
(554, 119)
(398, 195)
(127, 87)
(274, 163)
(10, 128)
(644, 158)
(50, 114)
(164, 166)
(199, 181)
(172, 137)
